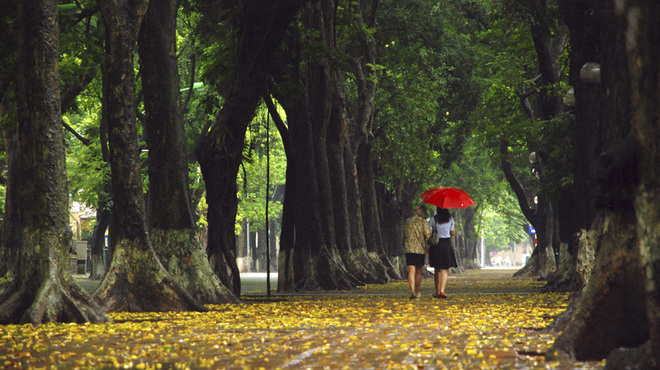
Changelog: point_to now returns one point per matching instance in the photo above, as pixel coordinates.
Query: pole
(267, 196)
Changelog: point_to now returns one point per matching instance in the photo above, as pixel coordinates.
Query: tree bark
(97, 241)
(541, 262)
(103, 211)
(136, 280)
(328, 183)
(620, 305)
(372, 226)
(220, 149)
(37, 236)
(645, 75)
(172, 228)
(549, 40)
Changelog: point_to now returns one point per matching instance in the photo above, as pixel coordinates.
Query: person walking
(416, 232)
(441, 255)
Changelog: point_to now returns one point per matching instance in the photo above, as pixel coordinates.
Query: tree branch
(515, 185)
(279, 123)
(85, 141)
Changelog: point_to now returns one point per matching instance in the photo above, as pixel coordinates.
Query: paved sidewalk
(491, 320)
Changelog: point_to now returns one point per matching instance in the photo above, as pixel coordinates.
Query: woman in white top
(441, 255)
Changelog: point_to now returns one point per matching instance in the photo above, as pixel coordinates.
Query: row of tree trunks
(466, 241)
(356, 138)
(326, 241)
(136, 280)
(370, 210)
(36, 232)
(620, 306)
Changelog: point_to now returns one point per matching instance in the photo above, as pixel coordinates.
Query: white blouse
(444, 230)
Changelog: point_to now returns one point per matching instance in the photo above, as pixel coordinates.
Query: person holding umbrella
(441, 255)
(416, 232)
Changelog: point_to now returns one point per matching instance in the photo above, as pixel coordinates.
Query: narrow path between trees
(491, 320)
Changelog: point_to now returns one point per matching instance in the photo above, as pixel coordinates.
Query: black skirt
(442, 256)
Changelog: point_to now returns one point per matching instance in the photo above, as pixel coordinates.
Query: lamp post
(590, 73)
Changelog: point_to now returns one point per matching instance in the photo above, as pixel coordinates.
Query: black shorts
(415, 259)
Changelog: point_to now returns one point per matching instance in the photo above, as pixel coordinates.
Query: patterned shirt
(416, 231)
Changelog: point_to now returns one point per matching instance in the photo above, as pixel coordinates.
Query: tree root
(40, 299)
(182, 255)
(137, 282)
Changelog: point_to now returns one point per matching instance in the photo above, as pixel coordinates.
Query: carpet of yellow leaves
(490, 321)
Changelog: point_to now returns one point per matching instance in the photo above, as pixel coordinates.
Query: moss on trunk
(182, 254)
(136, 281)
(40, 287)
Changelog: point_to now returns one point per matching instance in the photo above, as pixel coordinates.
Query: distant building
(517, 256)
(79, 219)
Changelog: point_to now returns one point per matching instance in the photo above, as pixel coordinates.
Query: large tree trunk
(465, 241)
(541, 262)
(136, 280)
(36, 231)
(221, 148)
(330, 191)
(305, 260)
(300, 219)
(549, 40)
(337, 257)
(373, 231)
(220, 155)
(391, 215)
(101, 262)
(575, 209)
(172, 228)
(620, 305)
(97, 241)
(358, 134)
(645, 75)
(285, 277)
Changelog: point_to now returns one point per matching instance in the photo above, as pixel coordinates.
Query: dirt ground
(490, 320)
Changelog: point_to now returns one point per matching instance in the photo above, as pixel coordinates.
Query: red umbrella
(447, 198)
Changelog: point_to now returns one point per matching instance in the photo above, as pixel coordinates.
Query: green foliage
(213, 38)
(503, 226)
(407, 99)
(426, 93)
(251, 182)
(87, 171)
(82, 54)
(447, 74)
(508, 47)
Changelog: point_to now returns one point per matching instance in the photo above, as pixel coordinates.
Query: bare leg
(436, 279)
(418, 278)
(411, 278)
(443, 280)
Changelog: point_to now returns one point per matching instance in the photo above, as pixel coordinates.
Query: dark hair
(442, 215)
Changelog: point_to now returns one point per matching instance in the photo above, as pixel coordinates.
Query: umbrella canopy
(447, 198)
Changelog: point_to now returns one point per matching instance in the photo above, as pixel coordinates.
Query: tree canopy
(179, 121)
